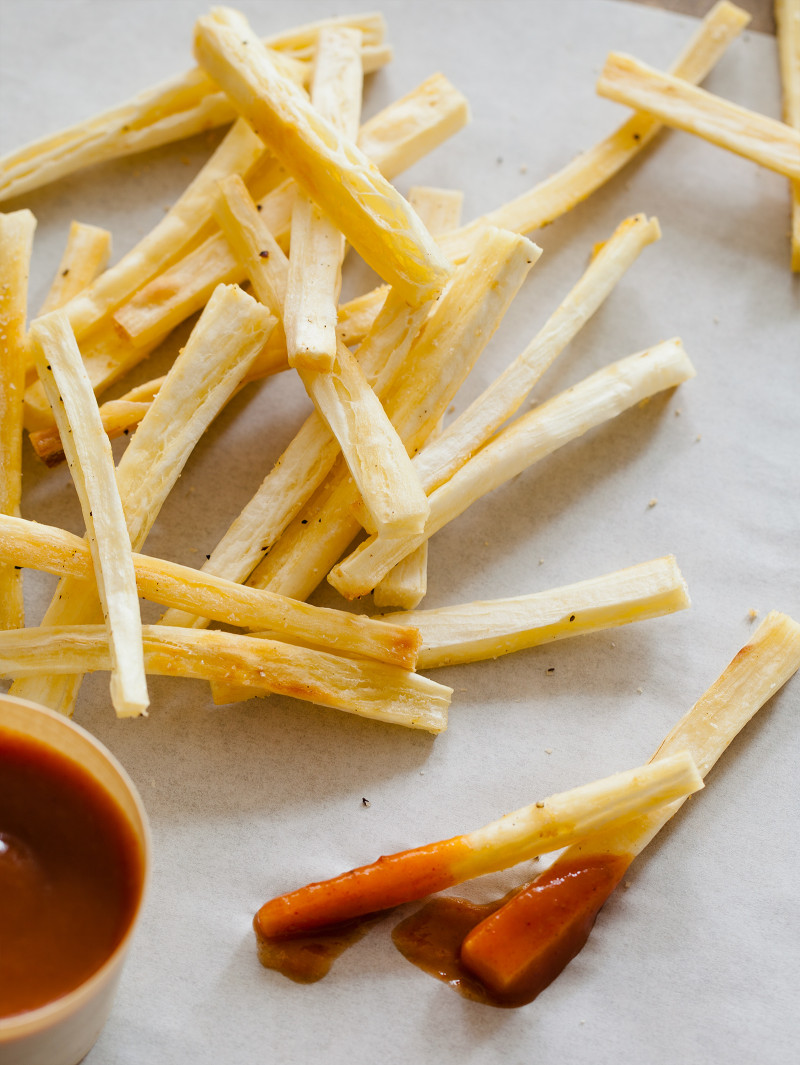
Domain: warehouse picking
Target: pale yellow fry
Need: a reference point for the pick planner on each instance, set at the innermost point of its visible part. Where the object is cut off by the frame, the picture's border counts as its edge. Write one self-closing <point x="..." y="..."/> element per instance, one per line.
<point x="181" y="107"/>
<point x="585" y="174"/>
<point x="16" y="245"/>
<point x="677" y="103"/>
<point x="85" y="257"/>
<point x="223" y="343"/>
<point x="368" y="689"/>
<point x="758" y="671"/>
<point x="565" y="417"/>
<point x="394" y="139"/>
<point x="787" y="18"/>
<point x="500" y="401"/>
<point x="316" y="246"/>
<point x="43" y="547"/>
<point x="472" y="632"/>
<point x="61" y="371"/>
<point x="238" y="153"/>
<point x="328" y="166"/>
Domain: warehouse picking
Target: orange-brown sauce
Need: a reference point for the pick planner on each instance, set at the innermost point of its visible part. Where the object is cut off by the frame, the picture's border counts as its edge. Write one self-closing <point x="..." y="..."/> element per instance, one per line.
<point x="554" y="916"/>
<point x="307" y="958"/>
<point x="71" y="874"/>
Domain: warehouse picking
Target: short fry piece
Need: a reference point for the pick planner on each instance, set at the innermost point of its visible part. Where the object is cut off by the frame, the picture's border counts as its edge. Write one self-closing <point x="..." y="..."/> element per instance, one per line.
<point x="535" y="829"/>
<point x="36" y="546"/>
<point x="565" y="417"/>
<point x="476" y="631"/>
<point x="61" y="371"/>
<point x="787" y="17"/>
<point x="316" y="245"/>
<point x="85" y="257"/>
<point x="368" y="689"/>
<point x="514" y="949"/>
<point x="16" y="245"/>
<point x="374" y="217"/>
<point x="677" y="103"/>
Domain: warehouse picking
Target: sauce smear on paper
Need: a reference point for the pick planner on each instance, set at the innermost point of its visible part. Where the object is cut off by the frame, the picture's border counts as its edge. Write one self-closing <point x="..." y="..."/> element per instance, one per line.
<point x="307" y="958"/>
<point x="71" y="874"/>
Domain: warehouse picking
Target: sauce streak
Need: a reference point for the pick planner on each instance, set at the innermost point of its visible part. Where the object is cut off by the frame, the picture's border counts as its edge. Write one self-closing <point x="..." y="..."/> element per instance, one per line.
<point x="544" y="925"/>
<point x="71" y="872"/>
<point x="307" y="958"/>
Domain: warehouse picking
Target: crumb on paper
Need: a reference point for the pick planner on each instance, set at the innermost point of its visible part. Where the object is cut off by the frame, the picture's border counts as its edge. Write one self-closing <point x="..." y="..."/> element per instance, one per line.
<point x="752" y="613"/>
<point x="548" y="750"/>
<point x="697" y="439"/>
<point x="716" y="320"/>
<point x="627" y="884"/>
<point x="523" y="168"/>
<point x="550" y="670"/>
<point x="652" y="502"/>
<point x="541" y="561"/>
<point x="365" y="802"/>
<point x="639" y="691"/>
<point x="677" y="412"/>
<point x="613" y="644"/>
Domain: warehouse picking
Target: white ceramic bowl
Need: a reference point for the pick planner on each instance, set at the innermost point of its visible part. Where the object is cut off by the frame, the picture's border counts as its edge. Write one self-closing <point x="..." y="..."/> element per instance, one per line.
<point x="64" y="1031"/>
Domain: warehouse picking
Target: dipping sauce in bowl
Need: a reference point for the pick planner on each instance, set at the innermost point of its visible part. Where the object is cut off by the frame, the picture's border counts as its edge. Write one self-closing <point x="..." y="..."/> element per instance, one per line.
<point x="73" y="857"/>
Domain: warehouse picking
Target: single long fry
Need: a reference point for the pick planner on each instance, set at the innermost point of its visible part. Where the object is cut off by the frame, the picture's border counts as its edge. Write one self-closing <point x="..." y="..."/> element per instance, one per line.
<point x="368" y="689"/>
<point x="58" y="361"/>
<point x="681" y="105"/>
<point x="223" y="343"/>
<point x="316" y="245"/>
<point x="530" y="438"/>
<point x="515" y="949"/>
<point x="396" y="138"/>
<point x="329" y="167"/>
<point x="588" y="172"/>
<point x="181" y="107"/>
<point x="535" y="829"/>
<point x="472" y="632"/>
<point x="43" y="547"/>
<point x="787" y="18"/>
<point x="16" y="245"/>
<point x="469" y="432"/>
<point x="85" y="257"/>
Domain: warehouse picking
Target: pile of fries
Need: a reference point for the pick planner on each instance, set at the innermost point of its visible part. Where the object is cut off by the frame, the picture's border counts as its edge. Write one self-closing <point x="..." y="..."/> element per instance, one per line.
<point x="256" y="244"/>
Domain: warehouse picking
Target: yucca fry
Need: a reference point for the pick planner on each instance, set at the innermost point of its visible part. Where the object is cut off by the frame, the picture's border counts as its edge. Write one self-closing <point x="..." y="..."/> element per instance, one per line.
<point x="16" y="245"/>
<point x="343" y="397"/>
<point x="43" y="547"/>
<point x="328" y="166"/>
<point x="538" y="433"/>
<point x="503" y="950"/>
<point x="85" y="257"/>
<point x="238" y="153"/>
<point x="405" y="585"/>
<point x="787" y="18"/>
<point x="683" y="106"/>
<point x="394" y="139"/>
<point x="366" y="688"/>
<point x="58" y="362"/>
<point x="575" y="182"/>
<point x="223" y="343"/>
<point x="472" y="632"/>
<point x="181" y="107"/>
<point x="536" y="829"/>
<point x="469" y="432"/>
<point x="316" y="245"/>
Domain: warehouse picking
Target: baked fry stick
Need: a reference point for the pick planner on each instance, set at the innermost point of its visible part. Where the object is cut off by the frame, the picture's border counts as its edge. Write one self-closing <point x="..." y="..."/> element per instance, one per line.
<point x="368" y="689"/>
<point x="472" y="632"/>
<point x="565" y="417"/>
<point x="58" y="362"/>
<point x="85" y="257"/>
<point x="535" y="829"/>
<point x="226" y="338"/>
<point x="16" y="245"/>
<point x="393" y="140"/>
<point x="512" y="947"/>
<point x="316" y="245"/>
<point x="681" y="105"/>
<point x="581" y="177"/>
<point x="181" y="107"/>
<point x="787" y="17"/>
<point x="329" y="167"/>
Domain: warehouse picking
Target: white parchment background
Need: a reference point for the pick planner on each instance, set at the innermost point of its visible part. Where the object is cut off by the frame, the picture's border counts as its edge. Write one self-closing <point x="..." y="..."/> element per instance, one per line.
<point x="697" y="961"/>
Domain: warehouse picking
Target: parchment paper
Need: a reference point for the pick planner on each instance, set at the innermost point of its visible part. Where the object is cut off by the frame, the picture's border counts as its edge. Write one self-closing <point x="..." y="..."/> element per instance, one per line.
<point x="697" y="960"/>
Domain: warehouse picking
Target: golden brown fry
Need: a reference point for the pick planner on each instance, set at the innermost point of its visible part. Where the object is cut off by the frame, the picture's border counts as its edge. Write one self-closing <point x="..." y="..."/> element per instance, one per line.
<point x="787" y="18"/>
